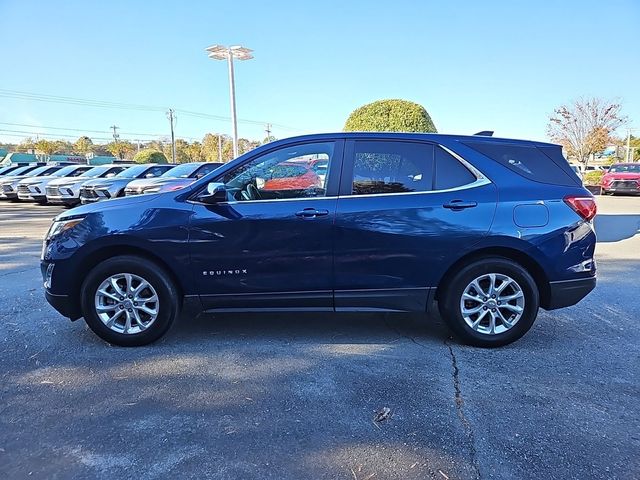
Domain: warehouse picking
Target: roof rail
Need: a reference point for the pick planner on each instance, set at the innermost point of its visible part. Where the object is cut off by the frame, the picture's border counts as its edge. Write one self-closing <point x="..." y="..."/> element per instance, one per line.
<point x="485" y="133"/>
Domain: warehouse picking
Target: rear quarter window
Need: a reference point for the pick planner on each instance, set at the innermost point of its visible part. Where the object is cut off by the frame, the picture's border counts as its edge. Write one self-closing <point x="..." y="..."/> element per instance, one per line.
<point x="527" y="161"/>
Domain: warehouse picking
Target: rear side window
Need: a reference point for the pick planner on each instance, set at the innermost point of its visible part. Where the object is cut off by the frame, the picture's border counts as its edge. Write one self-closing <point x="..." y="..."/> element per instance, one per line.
<point x="392" y="167"/>
<point x="527" y="161"/>
<point x="450" y="173"/>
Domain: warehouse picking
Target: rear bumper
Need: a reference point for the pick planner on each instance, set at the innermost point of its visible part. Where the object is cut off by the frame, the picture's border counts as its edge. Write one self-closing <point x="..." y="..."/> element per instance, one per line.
<point x="569" y="292"/>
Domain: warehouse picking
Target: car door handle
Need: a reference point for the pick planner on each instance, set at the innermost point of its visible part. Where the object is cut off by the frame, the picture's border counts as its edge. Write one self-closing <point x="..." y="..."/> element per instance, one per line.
<point x="457" y="205"/>
<point x="311" y="213"/>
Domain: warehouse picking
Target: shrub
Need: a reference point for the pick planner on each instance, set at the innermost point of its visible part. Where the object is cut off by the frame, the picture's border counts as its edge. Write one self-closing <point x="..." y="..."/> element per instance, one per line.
<point x="390" y="116"/>
<point x="593" y="177"/>
<point x="149" y="155"/>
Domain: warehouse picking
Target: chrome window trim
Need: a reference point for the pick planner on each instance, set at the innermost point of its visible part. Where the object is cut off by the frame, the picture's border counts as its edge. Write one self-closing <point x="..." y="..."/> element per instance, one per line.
<point x="478" y="183"/>
<point x="244" y="202"/>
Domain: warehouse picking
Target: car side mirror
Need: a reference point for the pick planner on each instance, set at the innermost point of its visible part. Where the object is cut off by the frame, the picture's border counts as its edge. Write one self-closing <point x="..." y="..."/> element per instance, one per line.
<point x="215" y="193"/>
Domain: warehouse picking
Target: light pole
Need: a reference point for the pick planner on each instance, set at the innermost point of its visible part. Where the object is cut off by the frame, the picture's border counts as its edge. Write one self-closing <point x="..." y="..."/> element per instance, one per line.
<point x="220" y="52"/>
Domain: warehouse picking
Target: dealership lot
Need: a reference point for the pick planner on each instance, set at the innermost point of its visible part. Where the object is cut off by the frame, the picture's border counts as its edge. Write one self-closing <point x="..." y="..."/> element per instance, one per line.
<point x="294" y="396"/>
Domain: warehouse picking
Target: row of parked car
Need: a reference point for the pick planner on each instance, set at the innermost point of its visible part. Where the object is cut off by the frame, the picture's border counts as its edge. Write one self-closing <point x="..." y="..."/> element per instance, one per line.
<point x="72" y="184"/>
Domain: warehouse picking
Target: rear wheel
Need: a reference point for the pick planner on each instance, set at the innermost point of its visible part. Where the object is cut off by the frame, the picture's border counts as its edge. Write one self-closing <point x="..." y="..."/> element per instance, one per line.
<point x="490" y="302"/>
<point x="129" y="301"/>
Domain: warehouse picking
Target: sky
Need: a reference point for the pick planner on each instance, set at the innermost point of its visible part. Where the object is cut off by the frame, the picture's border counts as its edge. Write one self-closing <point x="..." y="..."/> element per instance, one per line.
<point x="490" y="65"/>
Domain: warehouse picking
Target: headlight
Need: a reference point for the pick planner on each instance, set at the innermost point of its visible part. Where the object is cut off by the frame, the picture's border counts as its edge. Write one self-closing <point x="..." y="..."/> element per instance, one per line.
<point x="62" y="226"/>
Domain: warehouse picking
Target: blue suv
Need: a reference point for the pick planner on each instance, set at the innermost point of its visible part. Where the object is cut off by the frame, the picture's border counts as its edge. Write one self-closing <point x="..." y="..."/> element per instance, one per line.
<point x="490" y="229"/>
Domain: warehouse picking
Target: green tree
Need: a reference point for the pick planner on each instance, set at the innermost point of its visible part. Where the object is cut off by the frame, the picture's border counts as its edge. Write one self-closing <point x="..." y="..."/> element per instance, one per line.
<point x="83" y="145"/>
<point x="122" y="149"/>
<point x="148" y="155"/>
<point x="390" y="116"/>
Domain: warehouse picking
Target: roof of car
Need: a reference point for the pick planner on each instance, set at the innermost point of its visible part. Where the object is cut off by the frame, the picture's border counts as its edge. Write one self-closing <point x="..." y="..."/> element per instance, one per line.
<point x="435" y="137"/>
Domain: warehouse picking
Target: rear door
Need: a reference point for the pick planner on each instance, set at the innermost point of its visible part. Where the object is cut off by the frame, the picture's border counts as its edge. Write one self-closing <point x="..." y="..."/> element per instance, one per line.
<point x="405" y="210"/>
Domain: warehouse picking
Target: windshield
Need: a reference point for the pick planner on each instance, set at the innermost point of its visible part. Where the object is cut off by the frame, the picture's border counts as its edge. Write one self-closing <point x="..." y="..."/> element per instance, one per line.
<point x="132" y="172"/>
<point x="47" y="169"/>
<point x="70" y="171"/>
<point x="21" y="170"/>
<point x="182" y="171"/>
<point x="625" y="168"/>
<point x="94" y="172"/>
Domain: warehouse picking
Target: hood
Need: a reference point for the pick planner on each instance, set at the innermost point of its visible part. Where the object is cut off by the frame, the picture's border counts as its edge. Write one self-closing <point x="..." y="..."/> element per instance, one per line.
<point x="622" y="176"/>
<point x="110" y="204"/>
<point x="34" y="180"/>
<point x="98" y="182"/>
<point x="68" y="181"/>
<point x="145" y="182"/>
<point x="12" y="178"/>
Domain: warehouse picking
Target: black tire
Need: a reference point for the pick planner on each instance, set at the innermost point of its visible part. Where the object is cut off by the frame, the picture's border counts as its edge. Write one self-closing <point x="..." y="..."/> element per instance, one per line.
<point x="449" y="301"/>
<point x="168" y="299"/>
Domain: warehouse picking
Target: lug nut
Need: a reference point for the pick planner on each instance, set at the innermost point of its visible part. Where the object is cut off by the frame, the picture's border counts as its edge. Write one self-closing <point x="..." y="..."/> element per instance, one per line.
<point x="130" y="296"/>
<point x="484" y="299"/>
<point x="493" y="309"/>
<point x="499" y="303"/>
<point x="135" y="304"/>
<point x="493" y="296"/>
<point x="484" y="308"/>
<point x="129" y="310"/>
<point x="121" y="307"/>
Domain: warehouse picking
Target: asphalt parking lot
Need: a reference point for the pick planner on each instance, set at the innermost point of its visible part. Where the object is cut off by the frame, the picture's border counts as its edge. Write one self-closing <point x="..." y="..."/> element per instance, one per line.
<point x="294" y="396"/>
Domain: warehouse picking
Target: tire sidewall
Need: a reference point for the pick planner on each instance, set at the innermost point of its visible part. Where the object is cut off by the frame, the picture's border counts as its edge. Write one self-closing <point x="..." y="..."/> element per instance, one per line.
<point x="166" y="291"/>
<point x="451" y="305"/>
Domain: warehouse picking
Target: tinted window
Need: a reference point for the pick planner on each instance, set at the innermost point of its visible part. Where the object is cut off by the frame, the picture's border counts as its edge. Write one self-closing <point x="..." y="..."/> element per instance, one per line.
<point x="157" y="171"/>
<point x="183" y="171"/>
<point x="450" y="172"/>
<point x="132" y="172"/>
<point x="207" y="168"/>
<point x="281" y="174"/>
<point x="527" y="161"/>
<point x="622" y="168"/>
<point x="391" y="167"/>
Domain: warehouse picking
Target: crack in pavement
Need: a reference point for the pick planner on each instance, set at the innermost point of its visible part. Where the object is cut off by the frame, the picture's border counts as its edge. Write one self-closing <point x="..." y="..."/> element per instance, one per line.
<point x="466" y="425"/>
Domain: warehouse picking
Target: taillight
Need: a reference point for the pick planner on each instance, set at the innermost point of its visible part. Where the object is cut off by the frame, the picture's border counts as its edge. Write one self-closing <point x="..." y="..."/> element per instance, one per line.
<point x="583" y="206"/>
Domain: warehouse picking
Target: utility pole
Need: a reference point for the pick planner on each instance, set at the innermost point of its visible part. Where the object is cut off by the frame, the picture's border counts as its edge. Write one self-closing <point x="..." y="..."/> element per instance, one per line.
<point x="219" y="148"/>
<point x="267" y="130"/>
<point x="171" y="116"/>
<point x="116" y="135"/>
<point x="626" y="157"/>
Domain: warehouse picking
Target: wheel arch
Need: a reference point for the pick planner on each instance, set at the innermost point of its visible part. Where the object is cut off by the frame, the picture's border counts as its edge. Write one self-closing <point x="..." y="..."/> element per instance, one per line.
<point x="103" y="253"/>
<point x="510" y="253"/>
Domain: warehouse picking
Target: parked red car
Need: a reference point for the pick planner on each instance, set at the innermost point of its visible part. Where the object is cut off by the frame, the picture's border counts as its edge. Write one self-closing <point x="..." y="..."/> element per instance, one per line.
<point x="621" y="178"/>
<point x="292" y="176"/>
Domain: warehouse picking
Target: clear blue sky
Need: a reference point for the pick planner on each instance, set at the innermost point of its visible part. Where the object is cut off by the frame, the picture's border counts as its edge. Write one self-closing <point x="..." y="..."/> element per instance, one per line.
<point x="499" y="65"/>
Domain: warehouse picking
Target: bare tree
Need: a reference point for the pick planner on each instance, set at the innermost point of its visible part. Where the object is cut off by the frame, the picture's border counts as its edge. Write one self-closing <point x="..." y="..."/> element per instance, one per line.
<point x="586" y="126"/>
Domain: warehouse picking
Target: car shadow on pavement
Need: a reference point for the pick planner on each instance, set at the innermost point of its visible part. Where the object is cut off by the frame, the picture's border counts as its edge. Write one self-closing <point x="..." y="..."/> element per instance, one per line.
<point x="356" y="328"/>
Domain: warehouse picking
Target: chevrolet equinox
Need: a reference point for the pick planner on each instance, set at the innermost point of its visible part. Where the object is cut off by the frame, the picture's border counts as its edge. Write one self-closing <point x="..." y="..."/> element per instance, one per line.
<point x="489" y="229"/>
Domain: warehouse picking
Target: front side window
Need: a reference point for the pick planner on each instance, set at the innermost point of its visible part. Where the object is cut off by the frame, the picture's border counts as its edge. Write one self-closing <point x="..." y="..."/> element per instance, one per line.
<point x="392" y="167"/>
<point x="281" y="174"/>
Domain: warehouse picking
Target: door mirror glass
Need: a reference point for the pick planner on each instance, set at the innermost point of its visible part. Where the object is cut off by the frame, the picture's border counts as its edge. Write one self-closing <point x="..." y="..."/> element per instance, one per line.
<point x="215" y="193"/>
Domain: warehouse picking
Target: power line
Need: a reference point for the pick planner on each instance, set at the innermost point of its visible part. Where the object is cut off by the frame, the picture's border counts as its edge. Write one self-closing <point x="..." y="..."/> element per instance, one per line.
<point x="82" y="130"/>
<point x="122" y="106"/>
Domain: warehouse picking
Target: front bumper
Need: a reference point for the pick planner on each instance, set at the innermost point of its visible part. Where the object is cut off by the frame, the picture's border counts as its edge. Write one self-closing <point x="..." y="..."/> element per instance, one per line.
<point x="64" y="304"/>
<point x="568" y="292"/>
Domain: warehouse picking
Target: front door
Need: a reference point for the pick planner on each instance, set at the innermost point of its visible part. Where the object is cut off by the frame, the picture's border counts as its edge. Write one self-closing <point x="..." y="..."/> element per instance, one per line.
<point x="270" y="245"/>
<point x="405" y="210"/>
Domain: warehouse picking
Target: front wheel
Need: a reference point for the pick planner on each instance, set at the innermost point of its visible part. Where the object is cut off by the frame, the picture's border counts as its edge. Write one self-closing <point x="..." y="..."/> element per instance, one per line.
<point x="129" y="301"/>
<point x="490" y="302"/>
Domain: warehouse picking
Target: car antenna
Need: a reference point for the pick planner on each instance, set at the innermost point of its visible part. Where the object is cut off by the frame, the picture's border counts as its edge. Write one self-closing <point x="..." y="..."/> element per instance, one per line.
<point x="485" y="133"/>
